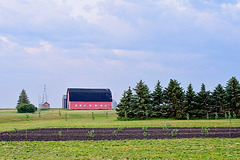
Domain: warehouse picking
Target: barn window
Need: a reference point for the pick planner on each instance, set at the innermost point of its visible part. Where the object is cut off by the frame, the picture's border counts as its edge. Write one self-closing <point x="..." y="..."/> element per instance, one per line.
<point x="84" y="105"/>
<point x="95" y="105"/>
<point x="80" y="105"/>
<point x="76" y="105"/>
<point x="90" y="105"/>
<point x="105" y="105"/>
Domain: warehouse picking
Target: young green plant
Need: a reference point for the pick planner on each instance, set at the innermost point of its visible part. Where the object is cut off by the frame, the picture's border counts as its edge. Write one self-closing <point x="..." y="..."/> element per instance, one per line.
<point x="91" y="133"/>
<point x="39" y="114"/>
<point x="115" y="133"/>
<point x="144" y="129"/>
<point x="60" y="133"/>
<point x="107" y="115"/>
<point x="66" y="116"/>
<point x="120" y="129"/>
<point x="27" y="117"/>
<point x="144" y="134"/>
<point x="174" y="132"/>
<point x="166" y="127"/>
<point x="204" y="131"/>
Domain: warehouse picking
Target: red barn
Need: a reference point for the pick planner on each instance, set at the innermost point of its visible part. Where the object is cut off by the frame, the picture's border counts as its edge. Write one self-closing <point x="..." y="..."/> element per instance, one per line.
<point x="82" y="98"/>
<point x="45" y="105"/>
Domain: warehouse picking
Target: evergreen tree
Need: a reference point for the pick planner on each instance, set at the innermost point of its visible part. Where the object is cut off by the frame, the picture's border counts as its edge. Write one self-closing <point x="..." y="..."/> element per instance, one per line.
<point x="190" y="101"/>
<point x="23" y="98"/>
<point x="233" y="95"/>
<point x="157" y="95"/>
<point x="203" y="101"/>
<point x="143" y="108"/>
<point x="157" y="100"/>
<point x="174" y="97"/>
<point x="23" y="104"/>
<point x="219" y="100"/>
<point x="125" y="107"/>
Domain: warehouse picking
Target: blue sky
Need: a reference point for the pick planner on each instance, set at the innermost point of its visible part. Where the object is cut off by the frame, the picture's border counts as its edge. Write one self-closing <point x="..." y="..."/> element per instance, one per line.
<point x="115" y="43"/>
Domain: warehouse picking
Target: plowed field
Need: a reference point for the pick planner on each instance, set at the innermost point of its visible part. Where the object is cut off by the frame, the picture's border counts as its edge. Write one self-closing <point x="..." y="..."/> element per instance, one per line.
<point x="69" y="134"/>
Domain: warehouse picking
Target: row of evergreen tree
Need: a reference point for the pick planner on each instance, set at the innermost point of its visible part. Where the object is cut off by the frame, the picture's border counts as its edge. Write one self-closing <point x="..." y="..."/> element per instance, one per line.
<point x="174" y="102"/>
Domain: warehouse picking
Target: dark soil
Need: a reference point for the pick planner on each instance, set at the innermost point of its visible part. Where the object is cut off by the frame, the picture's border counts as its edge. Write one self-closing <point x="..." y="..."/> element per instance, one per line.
<point x="69" y="134"/>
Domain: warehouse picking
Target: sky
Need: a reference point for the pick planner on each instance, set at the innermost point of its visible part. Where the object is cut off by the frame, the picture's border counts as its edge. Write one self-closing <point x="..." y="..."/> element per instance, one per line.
<point x="115" y="44"/>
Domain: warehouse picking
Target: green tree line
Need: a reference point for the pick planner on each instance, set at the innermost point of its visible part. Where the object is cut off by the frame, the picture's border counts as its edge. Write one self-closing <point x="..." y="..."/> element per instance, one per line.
<point x="174" y="102"/>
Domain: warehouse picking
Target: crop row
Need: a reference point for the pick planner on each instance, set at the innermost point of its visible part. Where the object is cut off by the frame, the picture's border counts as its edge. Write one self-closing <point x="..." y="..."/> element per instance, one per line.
<point x="57" y="134"/>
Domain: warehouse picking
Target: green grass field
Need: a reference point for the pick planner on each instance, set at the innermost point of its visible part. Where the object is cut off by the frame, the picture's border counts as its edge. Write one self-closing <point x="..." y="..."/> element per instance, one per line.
<point x="127" y="149"/>
<point x="131" y="149"/>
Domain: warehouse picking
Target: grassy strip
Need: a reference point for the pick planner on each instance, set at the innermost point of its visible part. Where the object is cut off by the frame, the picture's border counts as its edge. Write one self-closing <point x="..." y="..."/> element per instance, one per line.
<point x="83" y="119"/>
<point x="128" y="149"/>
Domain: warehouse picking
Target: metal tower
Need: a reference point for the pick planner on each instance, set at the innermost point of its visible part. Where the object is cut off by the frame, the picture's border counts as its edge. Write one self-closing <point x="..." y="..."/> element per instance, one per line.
<point x="44" y="98"/>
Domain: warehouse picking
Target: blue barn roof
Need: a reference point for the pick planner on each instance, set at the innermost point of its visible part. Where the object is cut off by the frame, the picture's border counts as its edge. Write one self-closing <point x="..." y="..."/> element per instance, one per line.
<point x="89" y="95"/>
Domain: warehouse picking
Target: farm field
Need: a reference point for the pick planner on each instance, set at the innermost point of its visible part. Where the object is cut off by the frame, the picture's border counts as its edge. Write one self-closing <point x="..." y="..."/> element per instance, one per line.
<point x="196" y="148"/>
<point x="70" y="134"/>
<point x="129" y="149"/>
<point x="56" y="118"/>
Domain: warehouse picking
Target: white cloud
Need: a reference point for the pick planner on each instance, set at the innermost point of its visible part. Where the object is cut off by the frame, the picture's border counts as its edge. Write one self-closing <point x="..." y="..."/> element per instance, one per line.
<point x="59" y="2"/>
<point x="232" y="11"/>
<point x="5" y="40"/>
<point x="85" y="42"/>
<point x="115" y="63"/>
<point x="180" y="5"/>
<point x="132" y="54"/>
<point x="32" y="50"/>
<point x="118" y="22"/>
<point x="6" y="45"/>
<point x="231" y="6"/>
<point x="46" y="46"/>
<point x="154" y="67"/>
<point x="85" y="8"/>
<point x="43" y="48"/>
